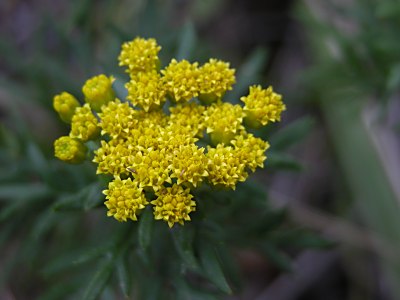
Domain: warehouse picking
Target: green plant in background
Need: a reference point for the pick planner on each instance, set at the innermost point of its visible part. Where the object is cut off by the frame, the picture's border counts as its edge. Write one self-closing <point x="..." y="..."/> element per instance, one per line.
<point x="56" y="240"/>
<point x="355" y="83"/>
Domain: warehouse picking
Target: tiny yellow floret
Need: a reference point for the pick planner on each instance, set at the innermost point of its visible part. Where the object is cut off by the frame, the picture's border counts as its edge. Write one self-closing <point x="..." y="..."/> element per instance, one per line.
<point x="262" y="106"/>
<point x="214" y="80"/>
<point x="65" y="104"/>
<point x="69" y="150"/>
<point x="140" y="55"/>
<point x="146" y="90"/>
<point x="223" y="121"/>
<point x="125" y="199"/>
<point x="84" y="124"/>
<point x="173" y="205"/>
<point x="225" y="167"/>
<point x="181" y="80"/>
<point x="98" y="91"/>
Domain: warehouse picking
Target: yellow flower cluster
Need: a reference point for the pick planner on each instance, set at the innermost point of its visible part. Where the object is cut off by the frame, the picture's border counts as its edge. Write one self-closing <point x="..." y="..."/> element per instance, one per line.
<point x="262" y="106"/>
<point x="154" y="154"/>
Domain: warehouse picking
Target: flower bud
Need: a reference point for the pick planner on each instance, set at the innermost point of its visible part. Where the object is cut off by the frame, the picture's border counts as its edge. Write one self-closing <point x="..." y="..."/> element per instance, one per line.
<point x="69" y="150"/>
<point x="65" y="104"/>
<point x="98" y="91"/>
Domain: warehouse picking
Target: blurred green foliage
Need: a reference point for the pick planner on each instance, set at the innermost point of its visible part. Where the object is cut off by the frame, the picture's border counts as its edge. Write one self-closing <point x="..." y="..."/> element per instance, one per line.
<point x="54" y="233"/>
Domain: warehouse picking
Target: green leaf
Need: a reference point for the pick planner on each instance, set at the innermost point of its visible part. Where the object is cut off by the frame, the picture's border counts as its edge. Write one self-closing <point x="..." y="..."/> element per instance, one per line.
<point x="187" y="42"/>
<point x="93" y="198"/>
<point x="61" y="291"/>
<point x="99" y="280"/>
<point x="280" y="161"/>
<point x="212" y="267"/>
<point x="183" y="238"/>
<point x="292" y="133"/>
<point x="230" y="267"/>
<point x="85" y="199"/>
<point x="145" y="230"/>
<point x="299" y="238"/>
<point x="24" y="191"/>
<point x="124" y="276"/>
<point x="277" y="257"/>
<point x="248" y="74"/>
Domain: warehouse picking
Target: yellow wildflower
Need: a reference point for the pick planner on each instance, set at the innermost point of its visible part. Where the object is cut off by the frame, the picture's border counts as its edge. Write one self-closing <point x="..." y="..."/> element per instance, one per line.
<point x="189" y="164"/>
<point x="189" y="116"/>
<point x="146" y="91"/>
<point x="69" y="150"/>
<point x="225" y="167"/>
<point x="173" y="205"/>
<point x="113" y="157"/>
<point x="84" y="125"/>
<point x="116" y="119"/>
<point x="262" y="106"/>
<point x="98" y="91"/>
<point x="65" y="104"/>
<point x="140" y="55"/>
<point x="223" y="121"/>
<point x="151" y="168"/>
<point x="124" y="199"/>
<point x="251" y="150"/>
<point x="181" y="80"/>
<point x="214" y="80"/>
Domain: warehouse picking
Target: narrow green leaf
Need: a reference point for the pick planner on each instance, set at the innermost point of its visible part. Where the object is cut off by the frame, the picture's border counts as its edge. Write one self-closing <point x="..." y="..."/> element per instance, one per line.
<point x="92" y="254"/>
<point x="280" y="161"/>
<point x="183" y="241"/>
<point x="248" y="74"/>
<point x="61" y="291"/>
<point x="79" y="200"/>
<point x="124" y="276"/>
<point x="145" y="230"/>
<point x="212" y="267"/>
<point x="292" y="133"/>
<point x="24" y="191"/>
<point x="187" y="42"/>
<point x="277" y="257"/>
<point x="94" y="197"/>
<point x="299" y="238"/>
<point x="230" y="267"/>
<point x="43" y="224"/>
<point x="99" y="280"/>
<point x="59" y="264"/>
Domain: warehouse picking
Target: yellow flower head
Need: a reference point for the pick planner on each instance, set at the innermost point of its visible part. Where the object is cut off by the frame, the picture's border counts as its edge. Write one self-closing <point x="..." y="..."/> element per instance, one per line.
<point x="84" y="125"/>
<point x="189" y="116"/>
<point x="223" y="121"/>
<point x="124" y="199"/>
<point x="140" y="55"/>
<point x="151" y="168"/>
<point x="262" y="106"/>
<point x="189" y="164"/>
<point x="98" y="91"/>
<point x="69" y="150"/>
<point x="157" y="153"/>
<point x="173" y="205"/>
<point x="146" y="91"/>
<point x="215" y="79"/>
<point x="181" y="80"/>
<point x="116" y="119"/>
<point x="65" y="104"/>
<point x="251" y="150"/>
<point x="225" y="167"/>
<point x="113" y="157"/>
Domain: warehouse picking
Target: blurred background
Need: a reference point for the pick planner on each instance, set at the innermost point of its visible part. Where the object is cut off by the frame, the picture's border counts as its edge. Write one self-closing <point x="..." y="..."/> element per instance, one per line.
<point x="334" y="169"/>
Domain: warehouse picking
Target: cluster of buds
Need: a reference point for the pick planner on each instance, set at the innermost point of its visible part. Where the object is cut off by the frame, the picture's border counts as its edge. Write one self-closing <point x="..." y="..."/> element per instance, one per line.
<point x="150" y="142"/>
